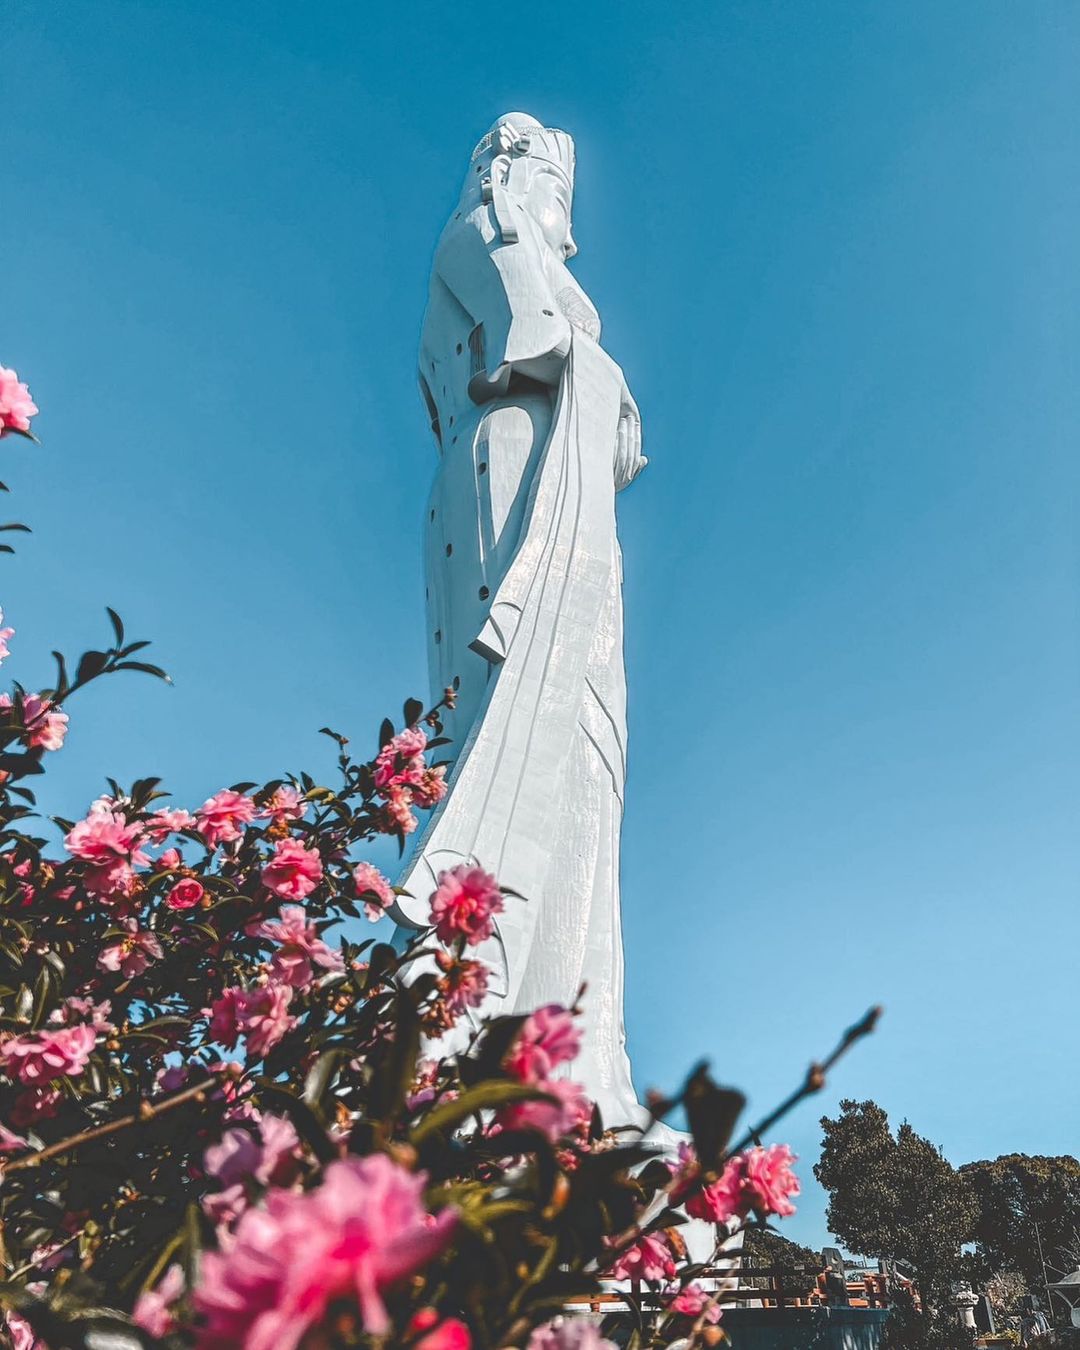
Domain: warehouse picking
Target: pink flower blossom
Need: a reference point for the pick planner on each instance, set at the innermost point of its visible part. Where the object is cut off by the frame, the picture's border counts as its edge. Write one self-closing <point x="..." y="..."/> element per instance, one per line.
<point x="40" y="1056"/>
<point x="260" y="1015"/>
<point x="294" y="871"/>
<point x="431" y="788"/>
<point x="300" y="946"/>
<point x="400" y="762"/>
<point x="104" y="836"/>
<point x="153" y="1307"/>
<point x="569" y="1333"/>
<point x="721" y="1200"/>
<point x="86" y="1010"/>
<point x="760" y="1179"/>
<point x="570" y="1112"/>
<point x="398" y="809"/>
<point x="464" y="984"/>
<point x="373" y="888"/>
<point x="769" y="1179"/>
<point x="285" y="803"/>
<point x="186" y="894"/>
<point x="272" y="1162"/>
<point x="169" y="861"/>
<point x="464" y="903"/>
<point x="5" y="633"/>
<point x="163" y="823"/>
<point x="650" y="1258"/>
<point x="132" y="954"/>
<point x="363" y="1230"/>
<point x="45" y="726"/>
<point x="223" y="1208"/>
<point x="692" y="1301"/>
<point x="18" y="1328"/>
<point x="10" y="1142"/>
<point x="113" y="881"/>
<point x="16" y="405"/>
<point x="549" y="1037"/>
<point x="220" y="817"/>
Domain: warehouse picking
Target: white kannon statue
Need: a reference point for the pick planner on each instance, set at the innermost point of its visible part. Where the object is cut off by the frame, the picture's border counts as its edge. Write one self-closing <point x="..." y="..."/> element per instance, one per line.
<point x="536" y="432"/>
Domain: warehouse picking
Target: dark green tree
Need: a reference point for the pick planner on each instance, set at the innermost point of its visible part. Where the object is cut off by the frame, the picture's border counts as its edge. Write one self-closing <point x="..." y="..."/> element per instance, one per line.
<point x="1021" y="1201"/>
<point x="896" y="1196"/>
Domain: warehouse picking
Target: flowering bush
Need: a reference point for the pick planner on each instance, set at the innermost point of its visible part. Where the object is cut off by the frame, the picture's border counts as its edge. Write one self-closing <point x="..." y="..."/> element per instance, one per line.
<point x="218" y="1126"/>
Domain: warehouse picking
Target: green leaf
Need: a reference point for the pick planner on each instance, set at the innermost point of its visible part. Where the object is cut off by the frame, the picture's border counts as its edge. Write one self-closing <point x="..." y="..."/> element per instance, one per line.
<point x="146" y="669"/>
<point x="711" y="1112"/>
<point x="117" y="624"/>
<point x="483" y="1097"/>
<point x="321" y="1075"/>
<point x="91" y="666"/>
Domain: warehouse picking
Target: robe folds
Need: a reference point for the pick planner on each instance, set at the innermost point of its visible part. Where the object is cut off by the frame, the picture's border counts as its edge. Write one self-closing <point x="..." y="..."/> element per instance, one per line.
<point x="536" y="790"/>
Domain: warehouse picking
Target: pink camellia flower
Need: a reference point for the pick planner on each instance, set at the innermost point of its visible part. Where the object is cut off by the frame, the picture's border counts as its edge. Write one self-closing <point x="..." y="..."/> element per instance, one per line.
<point x="10" y="1142"/>
<point x="104" y="836"/>
<point x="692" y="1301"/>
<point x="294" y="871"/>
<point x="220" y="817"/>
<point x="16" y="405"/>
<point x="260" y="1015"/>
<point x="113" y="882"/>
<point x="300" y="947"/>
<point x="40" y="1056"/>
<point x="549" y="1037"/>
<point x="464" y="903"/>
<point x="569" y="1333"/>
<point x="132" y="954"/>
<point x="400" y="762"/>
<point x="374" y="889"/>
<point x="223" y="1208"/>
<point x="650" y="1258"/>
<point x="5" y="633"/>
<point x="86" y="1010"/>
<point x="464" y="983"/>
<point x="285" y="803"/>
<point x="398" y="809"/>
<point x="272" y="1162"/>
<point x="431" y="788"/>
<point x="163" y="823"/>
<point x="153" y="1307"/>
<point x="569" y="1113"/>
<point x="45" y="726"/>
<point x="448" y="1334"/>
<point x="722" y="1199"/>
<point x="769" y="1180"/>
<point x="362" y="1231"/>
<point x="18" y="1328"/>
<point x="169" y="861"/>
<point x="186" y="894"/>
<point x="760" y="1179"/>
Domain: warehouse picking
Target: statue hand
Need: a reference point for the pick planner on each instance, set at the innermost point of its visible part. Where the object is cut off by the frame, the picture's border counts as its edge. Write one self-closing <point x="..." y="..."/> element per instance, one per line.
<point x="629" y="461"/>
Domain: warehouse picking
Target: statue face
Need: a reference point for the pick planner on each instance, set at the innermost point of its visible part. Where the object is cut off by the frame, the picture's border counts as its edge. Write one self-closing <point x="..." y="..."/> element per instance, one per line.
<point x="548" y="202"/>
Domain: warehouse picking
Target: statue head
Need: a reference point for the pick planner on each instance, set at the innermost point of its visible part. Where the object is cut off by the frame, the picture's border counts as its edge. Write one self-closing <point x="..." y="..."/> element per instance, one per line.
<point x="532" y="164"/>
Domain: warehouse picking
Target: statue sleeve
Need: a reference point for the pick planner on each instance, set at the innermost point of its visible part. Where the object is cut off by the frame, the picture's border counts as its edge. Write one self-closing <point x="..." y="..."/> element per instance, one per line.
<point x="506" y="290"/>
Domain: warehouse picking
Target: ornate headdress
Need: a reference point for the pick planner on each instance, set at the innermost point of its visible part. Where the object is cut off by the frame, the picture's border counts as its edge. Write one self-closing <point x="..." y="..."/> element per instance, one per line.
<point x="518" y="135"/>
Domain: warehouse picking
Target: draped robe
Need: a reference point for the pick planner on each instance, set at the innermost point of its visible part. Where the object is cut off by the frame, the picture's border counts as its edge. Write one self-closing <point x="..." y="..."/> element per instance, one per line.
<point x="525" y="606"/>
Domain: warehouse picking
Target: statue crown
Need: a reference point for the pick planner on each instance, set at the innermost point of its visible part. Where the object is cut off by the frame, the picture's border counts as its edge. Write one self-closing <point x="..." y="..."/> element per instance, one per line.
<point x="518" y="134"/>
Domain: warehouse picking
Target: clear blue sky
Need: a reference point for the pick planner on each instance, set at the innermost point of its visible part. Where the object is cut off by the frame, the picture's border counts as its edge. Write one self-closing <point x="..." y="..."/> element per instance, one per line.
<point x="834" y="246"/>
